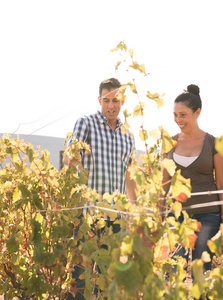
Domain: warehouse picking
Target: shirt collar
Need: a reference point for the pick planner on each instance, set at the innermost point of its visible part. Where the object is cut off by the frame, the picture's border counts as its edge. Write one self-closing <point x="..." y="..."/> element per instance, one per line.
<point x="103" y="119"/>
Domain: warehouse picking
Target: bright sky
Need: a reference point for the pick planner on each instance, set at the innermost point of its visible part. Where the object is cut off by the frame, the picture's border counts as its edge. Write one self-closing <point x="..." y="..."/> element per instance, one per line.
<point x="54" y="54"/>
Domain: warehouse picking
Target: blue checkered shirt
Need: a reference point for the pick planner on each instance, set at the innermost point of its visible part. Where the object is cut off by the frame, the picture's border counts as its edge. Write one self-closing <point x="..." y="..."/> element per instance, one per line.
<point x="110" y="153"/>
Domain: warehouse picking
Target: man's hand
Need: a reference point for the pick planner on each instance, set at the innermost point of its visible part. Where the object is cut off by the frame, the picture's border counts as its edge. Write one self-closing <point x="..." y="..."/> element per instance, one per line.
<point x="71" y="160"/>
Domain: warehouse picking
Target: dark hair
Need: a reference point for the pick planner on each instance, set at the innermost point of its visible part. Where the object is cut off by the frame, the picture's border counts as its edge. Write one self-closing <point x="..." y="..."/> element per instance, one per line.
<point x="191" y="97"/>
<point x="109" y="84"/>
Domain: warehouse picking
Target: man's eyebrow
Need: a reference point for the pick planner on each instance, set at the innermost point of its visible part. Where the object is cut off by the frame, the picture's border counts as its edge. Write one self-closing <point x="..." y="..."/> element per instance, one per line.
<point x="105" y="98"/>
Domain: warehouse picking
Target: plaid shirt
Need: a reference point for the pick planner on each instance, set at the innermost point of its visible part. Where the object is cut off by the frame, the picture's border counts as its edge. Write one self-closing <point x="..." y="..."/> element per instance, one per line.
<point x="110" y="153"/>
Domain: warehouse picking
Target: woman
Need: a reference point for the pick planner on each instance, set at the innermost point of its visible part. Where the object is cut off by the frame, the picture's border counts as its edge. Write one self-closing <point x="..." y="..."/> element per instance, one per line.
<point x="196" y="157"/>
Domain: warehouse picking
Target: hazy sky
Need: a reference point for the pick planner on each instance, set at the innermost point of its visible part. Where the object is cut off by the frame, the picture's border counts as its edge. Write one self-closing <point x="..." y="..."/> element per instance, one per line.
<point x="54" y="54"/>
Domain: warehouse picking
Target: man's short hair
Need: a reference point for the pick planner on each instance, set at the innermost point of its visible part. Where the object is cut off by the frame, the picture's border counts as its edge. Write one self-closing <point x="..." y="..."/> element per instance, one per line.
<point x="108" y="84"/>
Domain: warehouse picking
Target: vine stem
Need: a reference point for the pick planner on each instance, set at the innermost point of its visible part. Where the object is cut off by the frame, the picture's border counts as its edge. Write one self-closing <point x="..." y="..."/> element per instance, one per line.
<point x="141" y="108"/>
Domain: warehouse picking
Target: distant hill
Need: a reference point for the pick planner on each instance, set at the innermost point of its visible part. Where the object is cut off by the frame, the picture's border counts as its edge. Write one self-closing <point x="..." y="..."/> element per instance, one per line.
<point x="54" y="144"/>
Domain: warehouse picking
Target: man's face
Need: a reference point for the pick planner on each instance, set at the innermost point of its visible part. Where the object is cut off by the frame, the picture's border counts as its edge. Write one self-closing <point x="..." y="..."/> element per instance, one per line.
<point x="110" y="105"/>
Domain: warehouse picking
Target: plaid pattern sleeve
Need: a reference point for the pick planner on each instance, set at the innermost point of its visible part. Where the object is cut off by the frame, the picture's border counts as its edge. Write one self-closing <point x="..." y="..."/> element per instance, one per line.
<point x="110" y="153"/>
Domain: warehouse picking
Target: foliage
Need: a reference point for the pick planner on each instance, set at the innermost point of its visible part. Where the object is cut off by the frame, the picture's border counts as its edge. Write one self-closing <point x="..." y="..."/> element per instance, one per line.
<point x="40" y="207"/>
<point x="36" y="236"/>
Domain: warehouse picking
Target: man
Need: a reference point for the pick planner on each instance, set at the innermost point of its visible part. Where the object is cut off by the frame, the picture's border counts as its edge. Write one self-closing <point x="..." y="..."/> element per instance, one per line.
<point x="111" y="149"/>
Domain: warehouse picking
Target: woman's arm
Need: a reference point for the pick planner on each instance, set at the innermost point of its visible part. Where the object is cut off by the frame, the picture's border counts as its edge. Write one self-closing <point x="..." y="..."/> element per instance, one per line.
<point x="131" y="187"/>
<point x="218" y="164"/>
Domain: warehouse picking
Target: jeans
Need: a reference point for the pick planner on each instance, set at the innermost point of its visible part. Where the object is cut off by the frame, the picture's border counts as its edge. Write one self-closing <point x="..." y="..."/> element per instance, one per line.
<point x="210" y="225"/>
<point x="78" y="269"/>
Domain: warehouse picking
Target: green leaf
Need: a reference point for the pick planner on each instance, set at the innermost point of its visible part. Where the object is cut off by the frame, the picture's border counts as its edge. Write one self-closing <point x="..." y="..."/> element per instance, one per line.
<point x="100" y="281"/>
<point x="88" y="284"/>
<point x="37" y="201"/>
<point x="126" y="275"/>
<point x="198" y="271"/>
<point x="30" y="153"/>
<point x="218" y="288"/>
<point x="102" y="258"/>
<point x="88" y="248"/>
<point x="112" y="290"/>
<point x="24" y="190"/>
<point x="35" y="236"/>
<point x="12" y="243"/>
<point x="215" y="244"/>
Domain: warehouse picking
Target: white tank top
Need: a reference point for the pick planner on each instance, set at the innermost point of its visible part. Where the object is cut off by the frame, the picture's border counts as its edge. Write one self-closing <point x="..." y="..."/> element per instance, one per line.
<point x="184" y="161"/>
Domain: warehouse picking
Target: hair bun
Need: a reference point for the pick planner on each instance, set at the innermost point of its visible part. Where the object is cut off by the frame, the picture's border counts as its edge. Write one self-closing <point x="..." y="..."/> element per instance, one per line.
<point x="194" y="89"/>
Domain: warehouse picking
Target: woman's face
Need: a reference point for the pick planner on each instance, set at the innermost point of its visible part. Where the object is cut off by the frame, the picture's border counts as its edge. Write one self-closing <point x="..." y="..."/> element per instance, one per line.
<point x="184" y="116"/>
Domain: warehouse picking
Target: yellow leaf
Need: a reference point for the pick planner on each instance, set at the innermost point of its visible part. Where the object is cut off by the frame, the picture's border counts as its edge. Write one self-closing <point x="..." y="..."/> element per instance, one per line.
<point x="126" y="124"/>
<point x="125" y="130"/>
<point x="126" y="246"/>
<point x="177" y="209"/>
<point x="121" y="46"/>
<point x="136" y="66"/>
<point x="131" y="52"/>
<point x="17" y="194"/>
<point x="205" y="257"/>
<point x="143" y="135"/>
<point x="215" y="243"/>
<point x="219" y="145"/>
<point x="172" y="240"/>
<point x="126" y="114"/>
<point x="169" y="165"/>
<point x="180" y="184"/>
<point x="155" y="134"/>
<point x="147" y="158"/>
<point x="167" y="142"/>
<point x="133" y="87"/>
<point x="117" y="65"/>
<point x="156" y="98"/>
<point x="123" y="88"/>
<point x="108" y="197"/>
<point x="121" y="97"/>
<point x="138" y="110"/>
<point x="162" y="249"/>
<point x="53" y="181"/>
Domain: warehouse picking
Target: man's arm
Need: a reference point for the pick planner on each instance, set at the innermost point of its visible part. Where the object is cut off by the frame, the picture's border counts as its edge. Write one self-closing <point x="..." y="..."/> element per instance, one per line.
<point x="80" y="132"/>
<point x="131" y="187"/>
